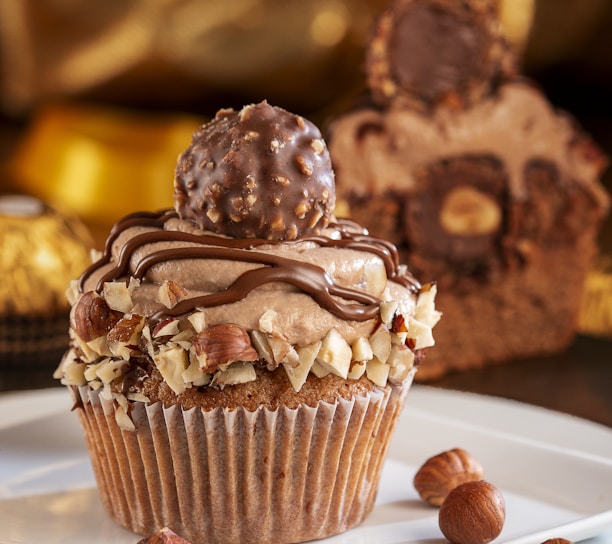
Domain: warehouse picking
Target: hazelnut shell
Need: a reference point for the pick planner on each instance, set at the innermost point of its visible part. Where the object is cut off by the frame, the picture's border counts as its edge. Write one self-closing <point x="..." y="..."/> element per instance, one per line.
<point x="445" y="471"/>
<point x="472" y="513"/>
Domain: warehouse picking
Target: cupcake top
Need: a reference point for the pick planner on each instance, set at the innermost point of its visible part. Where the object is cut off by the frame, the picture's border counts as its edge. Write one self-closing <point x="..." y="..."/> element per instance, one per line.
<point x="249" y="274"/>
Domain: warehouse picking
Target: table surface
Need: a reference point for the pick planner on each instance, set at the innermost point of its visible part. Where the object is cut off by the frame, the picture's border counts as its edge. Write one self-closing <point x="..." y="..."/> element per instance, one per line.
<point x="577" y="381"/>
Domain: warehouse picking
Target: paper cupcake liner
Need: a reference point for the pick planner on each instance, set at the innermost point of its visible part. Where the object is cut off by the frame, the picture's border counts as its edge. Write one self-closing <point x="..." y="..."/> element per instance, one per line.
<point x="225" y="476"/>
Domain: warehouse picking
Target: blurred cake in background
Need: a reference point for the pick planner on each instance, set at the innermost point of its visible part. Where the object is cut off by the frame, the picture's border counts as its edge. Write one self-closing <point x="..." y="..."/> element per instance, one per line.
<point x="41" y="251"/>
<point x="467" y="167"/>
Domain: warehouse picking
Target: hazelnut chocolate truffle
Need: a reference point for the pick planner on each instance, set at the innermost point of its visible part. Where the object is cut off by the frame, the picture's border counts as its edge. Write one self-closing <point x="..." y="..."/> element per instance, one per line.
<point x="423" y="53"/>
<point x="259" y="173"/>
<point x="239" y="366"/>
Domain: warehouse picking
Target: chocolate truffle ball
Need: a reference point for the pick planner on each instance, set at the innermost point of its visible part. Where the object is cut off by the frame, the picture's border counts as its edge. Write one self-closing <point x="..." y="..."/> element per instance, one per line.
<point x="261" y="172"/>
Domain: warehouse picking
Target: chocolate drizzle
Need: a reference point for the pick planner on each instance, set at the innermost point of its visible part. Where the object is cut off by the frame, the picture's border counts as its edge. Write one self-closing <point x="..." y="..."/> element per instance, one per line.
<point x="309" y="278"/>
<point x="138" y="219"/>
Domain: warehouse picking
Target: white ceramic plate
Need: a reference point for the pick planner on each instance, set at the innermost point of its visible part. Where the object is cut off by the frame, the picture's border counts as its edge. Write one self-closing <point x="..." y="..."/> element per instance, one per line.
<point x="555" y="472"/>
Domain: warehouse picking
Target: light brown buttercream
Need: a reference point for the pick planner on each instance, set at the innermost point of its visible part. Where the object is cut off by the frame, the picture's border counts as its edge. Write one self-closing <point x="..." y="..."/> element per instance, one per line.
<point x="516" y="125"/>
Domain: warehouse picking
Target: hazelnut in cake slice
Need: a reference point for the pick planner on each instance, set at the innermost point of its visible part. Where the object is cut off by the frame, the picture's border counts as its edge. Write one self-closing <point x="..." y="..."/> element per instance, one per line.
<point x="239" y="362"/>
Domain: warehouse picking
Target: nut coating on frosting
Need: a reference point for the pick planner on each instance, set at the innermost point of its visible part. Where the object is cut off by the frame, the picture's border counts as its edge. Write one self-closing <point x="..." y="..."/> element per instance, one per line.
<point x="261" y="172"/>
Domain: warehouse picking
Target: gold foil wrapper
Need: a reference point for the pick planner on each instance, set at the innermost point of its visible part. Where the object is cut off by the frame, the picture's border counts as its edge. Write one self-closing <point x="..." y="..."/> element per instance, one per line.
<point x="596" y="309"/>
<point x="101" y="163"/>
<point x="41" y="251"/>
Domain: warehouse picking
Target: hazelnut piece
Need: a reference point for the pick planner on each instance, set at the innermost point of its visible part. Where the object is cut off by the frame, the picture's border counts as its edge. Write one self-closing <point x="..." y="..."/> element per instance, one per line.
<point x="92" y="317"/>
<point x="223" y="344"/>
<point x="557" y="541"/>
<point x="163" y="536"/>
<point x="445" y="471"/>
<point x="472" y="513"/>
<point x="467" y="211"/>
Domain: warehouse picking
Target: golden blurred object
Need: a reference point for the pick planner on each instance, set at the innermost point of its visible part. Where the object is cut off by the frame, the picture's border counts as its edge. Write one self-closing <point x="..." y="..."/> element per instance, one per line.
<point x="41" y="250"/>
<point x="516" y="17"/>
<point x="194" y="55"/>
<point x="101" y="163"/>
<point x="596" y="311"/>
<point x="174" y="52"/>
<point x="566" y="30"/>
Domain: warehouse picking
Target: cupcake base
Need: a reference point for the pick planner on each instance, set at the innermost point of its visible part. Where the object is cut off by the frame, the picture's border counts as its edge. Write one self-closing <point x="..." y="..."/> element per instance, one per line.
<point x="226" y="476"/>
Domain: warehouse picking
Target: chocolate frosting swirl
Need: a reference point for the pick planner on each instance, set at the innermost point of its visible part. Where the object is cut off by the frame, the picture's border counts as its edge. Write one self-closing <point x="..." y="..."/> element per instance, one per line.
<point x="345" y="303"/>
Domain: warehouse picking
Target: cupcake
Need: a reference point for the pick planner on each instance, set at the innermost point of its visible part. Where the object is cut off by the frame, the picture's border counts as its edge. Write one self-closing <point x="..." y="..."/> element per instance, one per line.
<point x="482" y="184"/>
<point x="42" y="249"/>
<point x="238" y="363"/>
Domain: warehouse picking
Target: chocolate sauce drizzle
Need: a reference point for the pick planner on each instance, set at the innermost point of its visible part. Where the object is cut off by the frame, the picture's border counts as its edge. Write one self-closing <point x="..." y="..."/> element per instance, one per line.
<point x="309" y="278"/>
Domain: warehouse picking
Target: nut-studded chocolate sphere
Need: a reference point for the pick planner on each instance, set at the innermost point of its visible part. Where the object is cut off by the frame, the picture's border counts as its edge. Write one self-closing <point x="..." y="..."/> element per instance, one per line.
<point x="424" y="53"/>
<point x="261" y="172"/>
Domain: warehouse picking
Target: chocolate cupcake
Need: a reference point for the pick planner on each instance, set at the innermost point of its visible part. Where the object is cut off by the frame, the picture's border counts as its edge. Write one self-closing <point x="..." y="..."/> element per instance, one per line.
<point x="482" y="185"/>
<point x="42" y="250"/>
<point x="238" y="364"/>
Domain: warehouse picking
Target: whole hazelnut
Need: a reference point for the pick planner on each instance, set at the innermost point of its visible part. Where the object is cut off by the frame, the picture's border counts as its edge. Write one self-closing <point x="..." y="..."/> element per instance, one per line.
<point x="472" y="513"/>
<point x="557" y="541"/>
<point x="92" y="317"/>
<point x="469" y="212"/>
<point x="445" y="471"/>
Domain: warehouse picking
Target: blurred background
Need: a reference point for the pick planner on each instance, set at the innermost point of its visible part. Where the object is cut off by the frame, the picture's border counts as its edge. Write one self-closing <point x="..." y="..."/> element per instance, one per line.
<point x="98" y="98"/>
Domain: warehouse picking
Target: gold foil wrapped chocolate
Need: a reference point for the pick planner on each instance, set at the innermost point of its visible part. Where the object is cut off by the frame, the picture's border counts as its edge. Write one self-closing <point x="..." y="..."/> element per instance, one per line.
<point x="596" y="310"/>
<point x="41" y="250"/>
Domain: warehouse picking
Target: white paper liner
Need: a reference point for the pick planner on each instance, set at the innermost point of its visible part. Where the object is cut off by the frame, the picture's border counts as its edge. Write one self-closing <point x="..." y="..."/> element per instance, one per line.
<point x="226" y="476"/>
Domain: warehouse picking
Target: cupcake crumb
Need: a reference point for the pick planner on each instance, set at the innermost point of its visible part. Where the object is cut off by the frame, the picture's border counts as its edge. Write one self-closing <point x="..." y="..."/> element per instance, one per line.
<point x="163" y="536"/>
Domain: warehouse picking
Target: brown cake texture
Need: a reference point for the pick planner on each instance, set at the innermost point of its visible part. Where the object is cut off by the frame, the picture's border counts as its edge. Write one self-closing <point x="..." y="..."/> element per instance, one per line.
<point x="484" y="186"/>
<point x="238" y="363"/>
